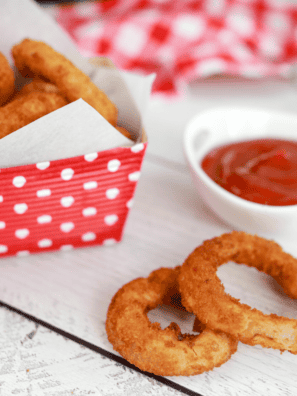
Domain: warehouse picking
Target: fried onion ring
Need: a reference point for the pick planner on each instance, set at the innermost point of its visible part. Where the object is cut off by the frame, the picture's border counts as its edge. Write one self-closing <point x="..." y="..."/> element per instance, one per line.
<point x="37" y="59"/>
<point x="27" y="109"/>
<point x="37" y="85"/>
<point x="202" y="291"/>
<point x="6" y="80"/>
<point x="146" y="345"/>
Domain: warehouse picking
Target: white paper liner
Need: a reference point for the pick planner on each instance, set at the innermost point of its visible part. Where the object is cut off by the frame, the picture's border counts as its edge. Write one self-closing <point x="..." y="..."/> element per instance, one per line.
<point x="73" y="130"/>
<point x="41" y="140"/>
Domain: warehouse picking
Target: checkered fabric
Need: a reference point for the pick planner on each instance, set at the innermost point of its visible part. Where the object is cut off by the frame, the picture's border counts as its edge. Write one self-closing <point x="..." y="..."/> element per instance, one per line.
<point x="182" y="40"/>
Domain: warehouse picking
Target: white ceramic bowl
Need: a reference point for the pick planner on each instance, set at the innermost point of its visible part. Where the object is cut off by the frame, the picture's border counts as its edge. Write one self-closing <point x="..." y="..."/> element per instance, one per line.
<point x="224" y="125"/>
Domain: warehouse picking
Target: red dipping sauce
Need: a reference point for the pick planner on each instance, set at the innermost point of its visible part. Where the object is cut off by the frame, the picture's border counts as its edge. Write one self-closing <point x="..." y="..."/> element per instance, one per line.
<point x="262" y="171"/>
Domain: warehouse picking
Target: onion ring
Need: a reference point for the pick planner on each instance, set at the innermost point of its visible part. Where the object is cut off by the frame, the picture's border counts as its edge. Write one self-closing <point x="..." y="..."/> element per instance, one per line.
<point x="161" y="352"/>
<point x="202" y="291"/>
<point x="37" y="85"/>
<point x="37" y="59"/>
<point x="26" y="109"/>
<point x="6" y="80"/>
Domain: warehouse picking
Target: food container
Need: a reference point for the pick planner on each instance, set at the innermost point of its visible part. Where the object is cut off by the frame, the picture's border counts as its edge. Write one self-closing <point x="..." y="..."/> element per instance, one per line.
<point x="74" y="200"/>
<point x="225" y="125"/>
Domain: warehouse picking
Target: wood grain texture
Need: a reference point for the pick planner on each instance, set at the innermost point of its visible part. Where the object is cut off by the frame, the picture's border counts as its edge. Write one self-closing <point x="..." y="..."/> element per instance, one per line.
<point x="36" y="361"/>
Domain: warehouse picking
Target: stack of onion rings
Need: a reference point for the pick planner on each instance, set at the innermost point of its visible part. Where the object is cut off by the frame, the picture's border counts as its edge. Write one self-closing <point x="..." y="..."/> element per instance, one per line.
<point x="202" y="291"/>
<point x="45" y="81"/>
<point x="224" y="320"/>
<point x="37" y="59"/>
<point x="146" y="345"/>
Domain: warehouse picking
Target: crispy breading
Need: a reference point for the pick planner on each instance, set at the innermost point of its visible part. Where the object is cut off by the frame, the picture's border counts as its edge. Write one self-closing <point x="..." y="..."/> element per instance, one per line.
<point x="35" y="58"/>
<point x="161" y="352"/>
<point x="26" y="109"/>
<point x="37" y="85"/>
<point x="203" y="293"/>
<point x="6" y="80"/>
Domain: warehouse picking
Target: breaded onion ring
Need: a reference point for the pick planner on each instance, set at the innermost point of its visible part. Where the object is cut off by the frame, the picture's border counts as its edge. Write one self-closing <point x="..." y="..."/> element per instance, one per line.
<point x="35" y="58"/>
<point x="38" y="85"/>
<point x="202" y="291"/>
<point x="146" y="345"/>
<point x="27" y="109"/>
<point x="6" y="80"/>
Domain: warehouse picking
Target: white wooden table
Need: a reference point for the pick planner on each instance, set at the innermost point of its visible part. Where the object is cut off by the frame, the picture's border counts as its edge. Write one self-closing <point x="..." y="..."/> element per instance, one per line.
<point x="52" y="316"/>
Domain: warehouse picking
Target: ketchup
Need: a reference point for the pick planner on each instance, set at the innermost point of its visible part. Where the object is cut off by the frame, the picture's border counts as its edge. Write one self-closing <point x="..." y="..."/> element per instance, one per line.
<point x="262" y="171"/>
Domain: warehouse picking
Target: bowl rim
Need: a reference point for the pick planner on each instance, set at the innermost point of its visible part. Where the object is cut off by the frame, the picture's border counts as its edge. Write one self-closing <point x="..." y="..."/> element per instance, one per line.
<point x="194" y="160"/>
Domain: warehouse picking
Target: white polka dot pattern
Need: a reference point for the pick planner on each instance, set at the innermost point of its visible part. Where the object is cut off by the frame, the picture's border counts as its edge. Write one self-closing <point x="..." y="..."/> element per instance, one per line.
<point x="90" y="185"/>
<point x="66" y="248"/>
<point x="69" y="203"/>
<point x="44" y="219"/>
<point x="91" y="157"/>
<point x="137" y="148"/>
<point x="46" y="192"/>
<point x="42" y="165"/>
<point x="113" y="165"/>
<point x="89" y="212"/>
<point x="130" y="203"/>
<point x="112" y="193"/>
<point x="67" y="174"/>
<point x="19" y="181"/>
<point x="111" y="219"/>
<point x="67" y="227"/>
<point x="20" y="208"/>
<point x="109" y="242"/>
<point x="22" y="233"/>
<point x="44" y="243"/>
<point x="134" y="176"/>
<point x="3" y="249"/>
<point x="88" y="236"/>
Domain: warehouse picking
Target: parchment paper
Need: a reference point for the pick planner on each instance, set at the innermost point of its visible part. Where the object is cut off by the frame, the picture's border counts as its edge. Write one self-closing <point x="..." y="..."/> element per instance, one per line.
<point x="67" y="128"/>
<point x="75" y="129"/>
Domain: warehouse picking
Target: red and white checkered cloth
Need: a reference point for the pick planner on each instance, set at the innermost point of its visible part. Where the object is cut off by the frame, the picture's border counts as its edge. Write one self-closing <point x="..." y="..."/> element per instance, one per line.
<point x="182" y="40"/>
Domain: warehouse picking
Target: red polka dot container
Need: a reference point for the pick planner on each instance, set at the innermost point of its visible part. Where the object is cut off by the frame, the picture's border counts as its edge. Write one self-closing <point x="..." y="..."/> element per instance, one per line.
<point x="68" y="203"/>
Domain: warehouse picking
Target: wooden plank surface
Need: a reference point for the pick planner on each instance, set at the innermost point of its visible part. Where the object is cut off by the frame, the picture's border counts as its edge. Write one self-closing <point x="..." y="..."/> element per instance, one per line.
<point x="37" y="361"/>
<point x="72" y="290"/>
